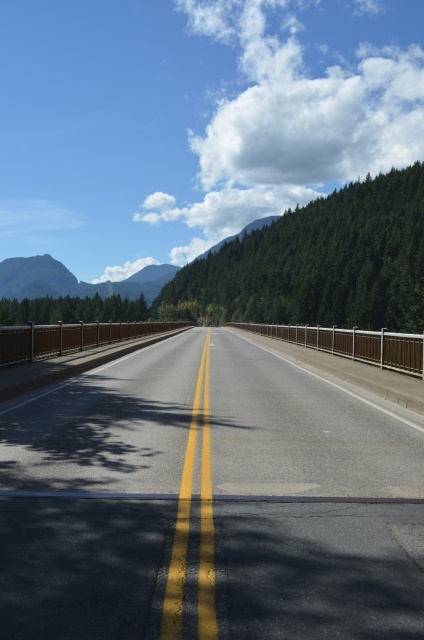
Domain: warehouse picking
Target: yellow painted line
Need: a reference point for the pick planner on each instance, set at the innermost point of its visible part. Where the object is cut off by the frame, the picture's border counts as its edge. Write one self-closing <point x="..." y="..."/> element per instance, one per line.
<point x="208" y="626"/>
<point x="171" y="628"/>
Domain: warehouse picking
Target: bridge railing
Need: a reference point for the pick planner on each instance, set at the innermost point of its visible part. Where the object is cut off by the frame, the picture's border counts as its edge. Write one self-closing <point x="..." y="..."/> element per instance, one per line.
<point x="403" y="352"/>
<point x="32" y="342"/>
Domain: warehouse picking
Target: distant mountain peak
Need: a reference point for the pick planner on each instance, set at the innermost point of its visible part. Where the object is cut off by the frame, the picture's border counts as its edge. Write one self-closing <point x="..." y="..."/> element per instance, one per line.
<point x="249" y="228"/>
<point x="40" y="276"/>
<point x="153" y="272"/>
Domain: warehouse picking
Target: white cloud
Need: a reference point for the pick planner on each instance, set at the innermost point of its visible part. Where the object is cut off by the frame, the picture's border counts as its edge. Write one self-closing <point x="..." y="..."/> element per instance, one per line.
<point x="304" y="131"/>
<point x="287" y="130"/>
<point x="117" y="273"/>
<point x="159" y="200"/>
<point x="152" y="218"/>
<point x="30" y="217"/>
<point x="226" y="212"/>
<point x="290" y="129"/>
<point x="292" y="25"/>
<point x="210" y="19"/>
<point x="163" y="203"/>
<point x="368" y="7"/>
<point x="181" y="255"/>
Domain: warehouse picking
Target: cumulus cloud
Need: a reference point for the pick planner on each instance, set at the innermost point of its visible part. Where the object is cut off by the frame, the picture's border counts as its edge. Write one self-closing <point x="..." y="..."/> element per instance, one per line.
<point x="286" y="134"/>
<point x="164" y="209"/>
<point x="118" y="273"/>
<point x="159" y="200"/>
<point x="181" y="255"/>
<point x="289" y="128"/>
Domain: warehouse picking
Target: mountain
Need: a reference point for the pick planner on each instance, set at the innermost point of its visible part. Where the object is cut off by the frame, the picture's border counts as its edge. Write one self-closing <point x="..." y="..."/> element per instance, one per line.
<point x="148" y="281"/>
<point x="252" y="226"/>
<point x="41" y="276"/>
<point x="353" y="258"/>
<point x="34" y="277"/>
<point x="154" y="273"/>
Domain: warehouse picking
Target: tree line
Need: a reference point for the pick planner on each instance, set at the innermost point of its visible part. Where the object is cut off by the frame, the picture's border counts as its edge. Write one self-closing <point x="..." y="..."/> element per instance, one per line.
<point x="353" y="258"/>
<point x="70" y="310"/>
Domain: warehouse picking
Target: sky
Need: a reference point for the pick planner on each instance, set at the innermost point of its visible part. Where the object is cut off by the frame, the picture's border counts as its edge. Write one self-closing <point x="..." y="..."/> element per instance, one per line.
<point x="145" y="131"/>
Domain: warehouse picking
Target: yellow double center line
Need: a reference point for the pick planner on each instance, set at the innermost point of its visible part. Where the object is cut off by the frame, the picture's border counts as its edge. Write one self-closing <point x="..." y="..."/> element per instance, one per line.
<point x="174" y="594"/>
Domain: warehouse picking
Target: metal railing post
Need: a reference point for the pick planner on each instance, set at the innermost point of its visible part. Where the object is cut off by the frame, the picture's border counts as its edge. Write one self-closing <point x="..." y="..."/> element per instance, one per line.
<point x="353" y="343"/>
<point x="60" y="323"/>
<point x="98" y="333"/>
<point x="318" y="326"/>
<point x="306" y="335"/>
<point x="333" y="339"/>
<point x="82" y="335"/>
<point x="382" y="347"/>
<point x="110" y="331"/>
<point x="423" y="355"/>
<point x="31" y="354"/>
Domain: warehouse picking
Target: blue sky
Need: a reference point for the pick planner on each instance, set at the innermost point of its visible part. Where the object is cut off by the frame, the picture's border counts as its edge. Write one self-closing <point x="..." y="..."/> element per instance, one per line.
<point x="146" y="131"/>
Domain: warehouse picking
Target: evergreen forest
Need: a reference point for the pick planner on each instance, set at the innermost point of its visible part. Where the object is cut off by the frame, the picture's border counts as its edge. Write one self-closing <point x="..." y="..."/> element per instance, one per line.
<point x="69" y="310"/>
<point x="353" y="258"/>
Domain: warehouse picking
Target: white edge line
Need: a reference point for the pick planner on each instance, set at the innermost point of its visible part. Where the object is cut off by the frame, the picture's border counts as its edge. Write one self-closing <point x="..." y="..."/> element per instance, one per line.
<point x="372" y="404"/>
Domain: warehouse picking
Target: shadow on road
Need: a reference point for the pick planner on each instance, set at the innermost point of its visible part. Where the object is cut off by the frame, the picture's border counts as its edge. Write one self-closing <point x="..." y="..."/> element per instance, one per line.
<point x="314" y="571"/>
<point x="96" y="427"/>
<point x="88" y="570"/>
<point x="80" y="570"/>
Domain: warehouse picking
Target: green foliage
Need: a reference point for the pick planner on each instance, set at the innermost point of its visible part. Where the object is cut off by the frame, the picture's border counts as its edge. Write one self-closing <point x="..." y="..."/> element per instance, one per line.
<point x="353" y="258"/>
<point x="71" y="310"/>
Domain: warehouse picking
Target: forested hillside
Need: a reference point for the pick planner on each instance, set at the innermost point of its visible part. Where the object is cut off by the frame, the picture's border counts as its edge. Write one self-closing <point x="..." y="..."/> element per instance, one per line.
<point x="355" y="257"/>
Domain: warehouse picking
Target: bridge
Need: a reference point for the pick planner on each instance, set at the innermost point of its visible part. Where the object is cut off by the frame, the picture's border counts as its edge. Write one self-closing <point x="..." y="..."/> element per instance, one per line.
<point x="215" y="484"/>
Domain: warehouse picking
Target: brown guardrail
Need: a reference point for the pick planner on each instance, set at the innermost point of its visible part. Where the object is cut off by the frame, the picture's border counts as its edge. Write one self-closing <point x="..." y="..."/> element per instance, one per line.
<point x="32" y="342"/>
<point x="403" y="352"/>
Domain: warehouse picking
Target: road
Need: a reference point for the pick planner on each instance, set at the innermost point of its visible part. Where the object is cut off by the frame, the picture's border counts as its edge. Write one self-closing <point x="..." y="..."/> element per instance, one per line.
<point x="206" y="487"/>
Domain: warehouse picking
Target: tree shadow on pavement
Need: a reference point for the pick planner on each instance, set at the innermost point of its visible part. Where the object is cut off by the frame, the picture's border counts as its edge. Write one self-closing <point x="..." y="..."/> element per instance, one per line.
<point x="79" y="569"/>
<point x="89" y="569"/>
<point x="305" y="571"/>
<point x="90" y="427"/>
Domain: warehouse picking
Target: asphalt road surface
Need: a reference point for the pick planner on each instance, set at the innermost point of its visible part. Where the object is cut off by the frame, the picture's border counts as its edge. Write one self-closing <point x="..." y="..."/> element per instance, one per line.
<point x="205" y="487"/>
